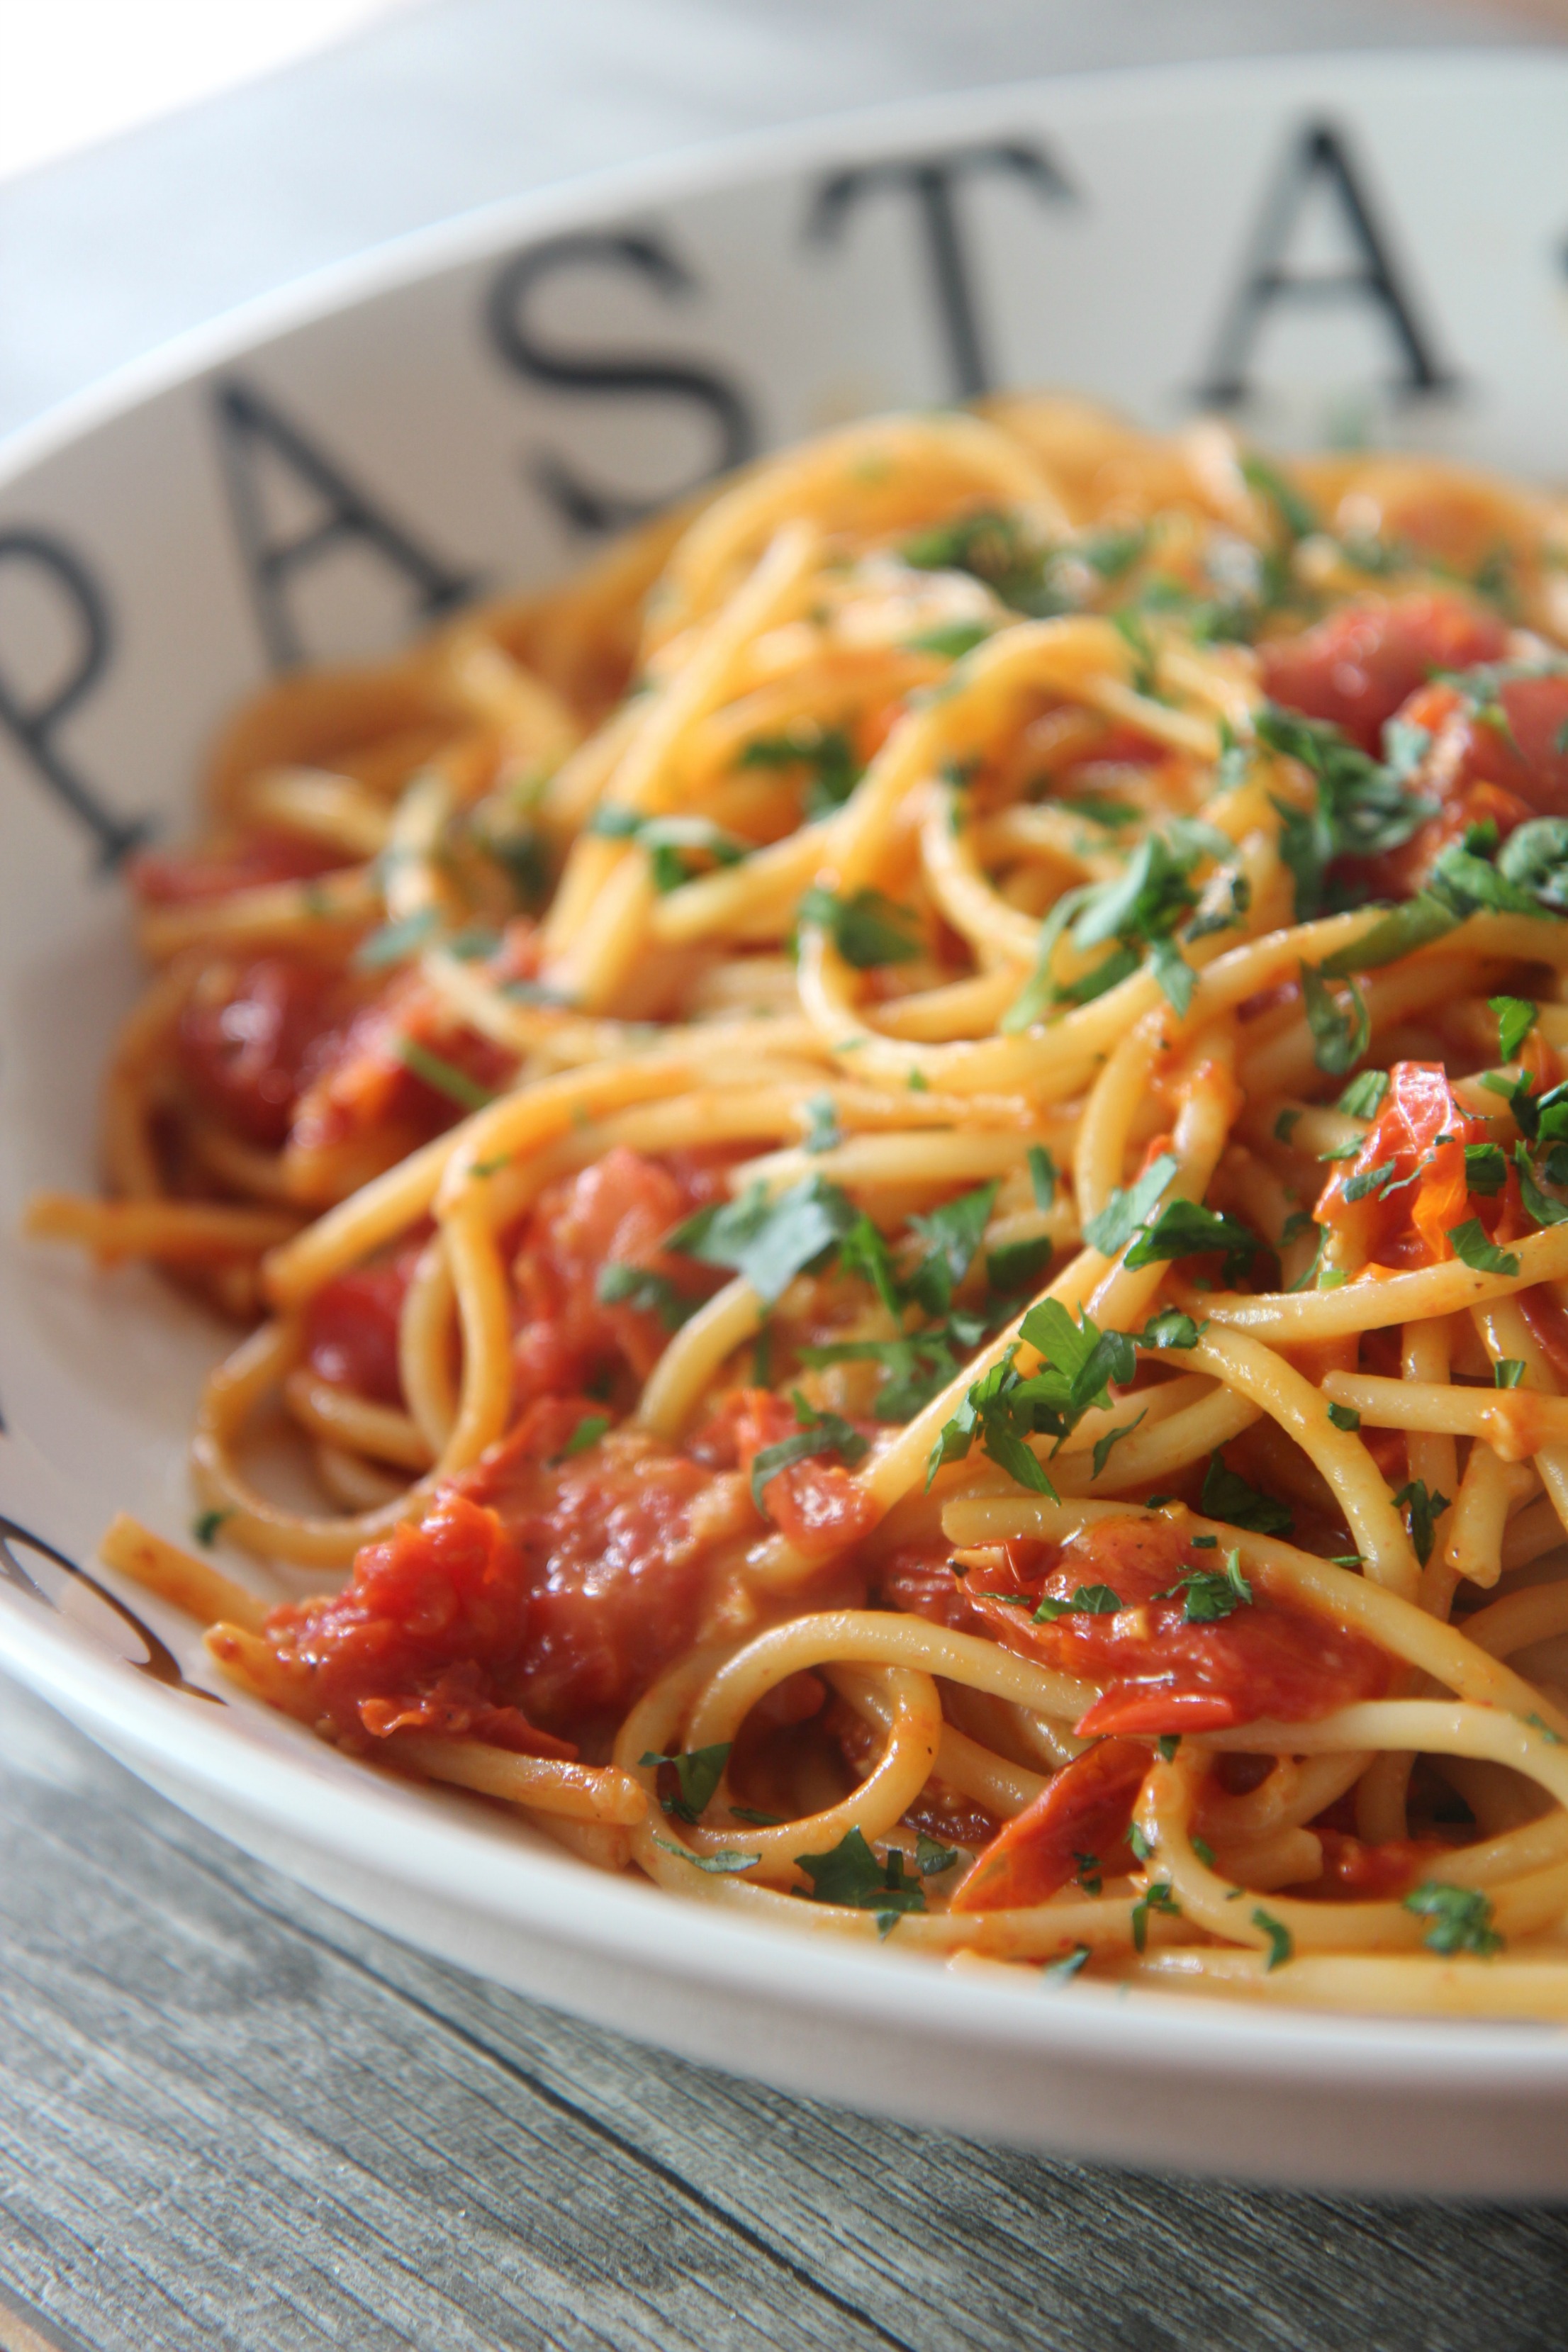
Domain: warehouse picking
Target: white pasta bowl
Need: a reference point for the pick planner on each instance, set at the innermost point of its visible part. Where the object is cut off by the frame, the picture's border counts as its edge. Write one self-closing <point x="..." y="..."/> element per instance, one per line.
<point x="1377" y="246"/>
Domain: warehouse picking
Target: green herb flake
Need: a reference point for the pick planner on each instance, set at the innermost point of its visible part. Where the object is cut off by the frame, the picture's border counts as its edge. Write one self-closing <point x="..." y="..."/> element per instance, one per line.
<point x="588" y="1432"/>
<point x="1507" y="1372"/>
<point x="697" y="1773"/>
<point x="1363" y="1099"/>
<point x="868" y="928"/>
<point x="394" y="942"/>
<point x="1341" y="1034"/>
<point x="725" y="1864"/>
<point x="205" y="1524"/>
<point x="1208" y="1594"/>
<point x="1281" y="1943"/>
<point x="818" y="1434"/>
<point x="1128" y="1208"/>
<point x="1515" y="1020"/>
<point x="1425" y="1509"/>
<point x="768" y="1240"/>
<point x="851" y="1873"/>
<point x="1460" y="1917"/>
<point x="1042" y="1175"/>
<point x="1227" y="1495"/>
<point x="1067" y="1966"/>
<point x="1157" y="1898"/>
<point x="822" y="1132"/>
<point x="444" y="1077"/>
<point x="1344" y="1416"/>
<point x="1470" y="1243"/>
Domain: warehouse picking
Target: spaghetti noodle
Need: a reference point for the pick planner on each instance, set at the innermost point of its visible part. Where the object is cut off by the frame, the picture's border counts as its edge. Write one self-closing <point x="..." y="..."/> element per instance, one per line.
<point x="903" y="1162"/>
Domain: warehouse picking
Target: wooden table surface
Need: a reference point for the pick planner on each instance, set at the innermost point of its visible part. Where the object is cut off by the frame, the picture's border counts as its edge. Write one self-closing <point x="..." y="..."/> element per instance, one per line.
<point x="231" y="2116"/>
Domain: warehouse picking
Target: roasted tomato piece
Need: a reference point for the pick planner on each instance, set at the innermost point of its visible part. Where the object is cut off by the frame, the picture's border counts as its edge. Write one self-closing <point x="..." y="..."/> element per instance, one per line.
<point x="1406" y="1218"/>
<point x="614" y="1213"/>
<point x="1357" y="666"/>
<point x="368" y="1081"/>
<point x="248" y="1049"/>
<point x="1078" y="1821"/>
<point x="180" y="877"/>
<point x="551" y="1589"/>
<point x="1356" y="1872"/>
<point x="1498" y="755"/>
<point x="351" y="1328"/>
<point x="816" y="1503"/>
<point x="1161" y="1671"/>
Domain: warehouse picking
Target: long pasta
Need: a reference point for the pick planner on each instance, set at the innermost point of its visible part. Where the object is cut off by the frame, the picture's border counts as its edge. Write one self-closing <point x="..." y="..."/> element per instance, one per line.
<point x="903" y="1164"/>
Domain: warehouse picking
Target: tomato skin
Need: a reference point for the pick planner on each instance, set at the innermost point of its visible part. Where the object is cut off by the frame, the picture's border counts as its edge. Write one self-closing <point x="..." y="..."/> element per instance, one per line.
<point x="365" y="1082"/>
<point x="534" y="1601"/>
<point x="188" y="878"/>
<point x="1408" y="1223"/>
<point x="816" y="1503"/>
<point x="1479" y="772"/>
<point x="1084" y="1809"/>
<point x="247" y="1053"/>
<point x="351" y="1328"/>
<point x="614" y="1213"/>
<point x="1358" y="666"/>
<point x="1159" y="1673"/>
<point x="1356" y="1872"/>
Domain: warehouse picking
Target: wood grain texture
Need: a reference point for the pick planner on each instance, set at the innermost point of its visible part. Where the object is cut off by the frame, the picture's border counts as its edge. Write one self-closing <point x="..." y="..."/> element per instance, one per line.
<point x="232" y="2117"/>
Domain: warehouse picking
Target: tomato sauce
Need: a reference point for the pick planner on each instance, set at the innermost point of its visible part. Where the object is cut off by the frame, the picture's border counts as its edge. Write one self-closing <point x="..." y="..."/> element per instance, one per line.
<point x="351" y="1327"/>
<point x="249" y="1051"/>
<point x="1360" y="665"/>
<point x="1422" y="1134"/>
<point x="615" y="1213"/>
<point x="1498" y="759"/>
<point x="187" y="877"/>
<point x="1161" y="1675"/>
<point x="816" y="1504"/>
<point x="537" y="1598"/>
<point x="1076" y="1828"/>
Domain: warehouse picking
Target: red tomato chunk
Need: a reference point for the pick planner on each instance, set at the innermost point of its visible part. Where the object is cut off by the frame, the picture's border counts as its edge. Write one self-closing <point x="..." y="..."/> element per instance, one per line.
<point x="1407" y="1219"/>
<point x="1078" y="1821"/>
<point x="534" y="1593"/>
<point x="1160" y="1673"/>
<point x="1360" y="665"/>
<point x="249" y="1050"/>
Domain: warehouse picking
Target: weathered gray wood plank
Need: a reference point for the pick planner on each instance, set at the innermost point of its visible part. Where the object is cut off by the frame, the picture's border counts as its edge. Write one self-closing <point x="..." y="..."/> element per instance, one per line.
<point x="231" y="2116"/>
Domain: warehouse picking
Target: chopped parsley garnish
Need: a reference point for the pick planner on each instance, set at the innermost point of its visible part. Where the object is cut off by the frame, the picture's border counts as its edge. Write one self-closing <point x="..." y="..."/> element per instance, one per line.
<point x="818" y="1434"/>
<point x="1128" y="1208"/>
<point x="1515" y="1020"/>
<point x="1341" y="1034"/>
<point x="822" y="1132"/>
<point x="1227" y="1495"/>
<point x="1113" y="1437"/>
<point x="1167" y="1745"/>
<point x="1169" y="1328"/>
<point x="1507" y="1372"/>
<point x="932" y="1858"/>
<point x="1296" y="515"/>
<point x="1087" y="1874"/>
<point x="1360" y="809"/>
<point x="698" y="1772"/>
<point x="1363" y="1099"/>
<point x="1017" y="1265"/>
<point x="1186" y="1229"/>
<point x="1067" y="1966"/>
<point x="396" y="941"/>
<point x="588" y="1433"/>
<point x="205" y="1524"/>
<point x="868" y="928"/>
<point x="1460" y="1916"/>
<point x="1470" y="1243"/>
<point x="826" y="754"/>
<point x="1088" y="1601"/>
<point x="1486" y="1168"/>
<point x="1143" y="1846"/>
<point x="769" y="1241"/>
<point x="724" y="1864"/>
<point x="1208" y="1594"/>
<point x="1281" y="1943"/>
<point x="1426" y="1510"/>
<point x="851" y="1873"/>
<point x="1535" y="858"/>
<point x="1344" y="1416"/>
<point x="1042" y="1175"/>
<point x="1002" y="1408"/>
<point x="1157" y="1898"/>
<point x="444" y="1076"/>
<point x="950" y="640"/>
<point x="638" y="1287"/>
